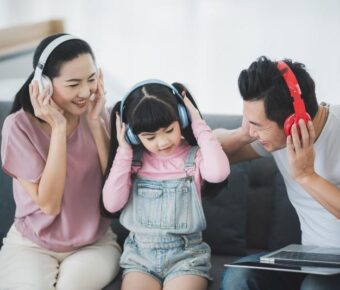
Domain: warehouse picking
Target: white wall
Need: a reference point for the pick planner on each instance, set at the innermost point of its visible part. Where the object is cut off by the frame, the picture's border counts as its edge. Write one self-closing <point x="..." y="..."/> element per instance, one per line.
<point x="202" y="43"/>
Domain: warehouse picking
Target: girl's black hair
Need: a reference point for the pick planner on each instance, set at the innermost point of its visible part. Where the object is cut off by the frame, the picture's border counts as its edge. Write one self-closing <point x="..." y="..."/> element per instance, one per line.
<point x="147" y="109"/>
<point x="64" y="52"/>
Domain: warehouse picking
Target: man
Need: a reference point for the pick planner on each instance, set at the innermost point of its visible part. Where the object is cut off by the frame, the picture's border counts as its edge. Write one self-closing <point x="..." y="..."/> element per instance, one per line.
<point x="308" y="158"/>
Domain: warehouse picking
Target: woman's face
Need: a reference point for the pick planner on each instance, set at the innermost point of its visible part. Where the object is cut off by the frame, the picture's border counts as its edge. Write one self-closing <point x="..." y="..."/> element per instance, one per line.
<point x="76" y="83"/>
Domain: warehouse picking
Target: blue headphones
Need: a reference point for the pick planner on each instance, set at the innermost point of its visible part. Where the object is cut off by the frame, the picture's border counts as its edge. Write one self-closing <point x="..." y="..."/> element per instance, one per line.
<point x="184" y="118"/>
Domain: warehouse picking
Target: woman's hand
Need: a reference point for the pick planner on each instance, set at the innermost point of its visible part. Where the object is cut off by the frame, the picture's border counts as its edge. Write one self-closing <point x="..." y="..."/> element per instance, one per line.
<point x="301" y="153"/>
<point x="193" y="111"/>
<point x="121" y="128"/>
<point x="44" y="107"/>
<point x="97" y="100"/>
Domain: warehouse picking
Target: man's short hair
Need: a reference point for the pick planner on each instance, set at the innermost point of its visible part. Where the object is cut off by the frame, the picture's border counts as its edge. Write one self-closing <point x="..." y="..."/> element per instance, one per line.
<point x="264" y="81"/>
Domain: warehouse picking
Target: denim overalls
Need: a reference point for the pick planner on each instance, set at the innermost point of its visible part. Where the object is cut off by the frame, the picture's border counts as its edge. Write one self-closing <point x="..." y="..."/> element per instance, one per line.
<point x="165" y="219"/>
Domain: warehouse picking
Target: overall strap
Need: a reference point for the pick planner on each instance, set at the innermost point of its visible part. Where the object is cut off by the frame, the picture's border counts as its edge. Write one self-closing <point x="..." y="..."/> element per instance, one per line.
<point x="190" y="161"/>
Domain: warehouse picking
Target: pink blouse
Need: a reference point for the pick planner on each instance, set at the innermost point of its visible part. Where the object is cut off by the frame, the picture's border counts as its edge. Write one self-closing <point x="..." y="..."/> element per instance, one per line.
<point x="24" y="151"/>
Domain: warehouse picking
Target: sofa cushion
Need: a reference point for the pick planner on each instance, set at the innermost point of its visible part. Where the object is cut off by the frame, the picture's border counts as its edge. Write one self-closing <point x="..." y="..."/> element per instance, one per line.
<point x="226" y="214"/>
<point x="261" y="177"/>
<point x="7" y="205"/>
<point x="285" y="225"/>
<point x="121" y="232"/>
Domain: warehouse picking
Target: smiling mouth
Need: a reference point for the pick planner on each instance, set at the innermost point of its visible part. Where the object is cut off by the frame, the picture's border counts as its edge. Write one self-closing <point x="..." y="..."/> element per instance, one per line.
<point x="166" y="149"/>
<point x="80" y="102"/>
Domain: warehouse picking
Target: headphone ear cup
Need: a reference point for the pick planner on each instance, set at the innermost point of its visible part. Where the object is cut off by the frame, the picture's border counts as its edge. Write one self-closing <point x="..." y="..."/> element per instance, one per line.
<point x="183" y="116"/>
<point x="130" y="137"/>
<point x="46" y="82"/>
<point x="289" y="122"/>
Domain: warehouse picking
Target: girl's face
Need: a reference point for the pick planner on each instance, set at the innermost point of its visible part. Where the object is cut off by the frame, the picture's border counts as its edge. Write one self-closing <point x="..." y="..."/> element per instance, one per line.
<point x="77" y="81"/>
<point x="164" y="141"/>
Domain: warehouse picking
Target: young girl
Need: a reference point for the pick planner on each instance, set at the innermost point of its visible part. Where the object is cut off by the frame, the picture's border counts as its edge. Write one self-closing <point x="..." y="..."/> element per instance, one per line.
<point x="156" y="179"/>
<point x="54" y="145"/>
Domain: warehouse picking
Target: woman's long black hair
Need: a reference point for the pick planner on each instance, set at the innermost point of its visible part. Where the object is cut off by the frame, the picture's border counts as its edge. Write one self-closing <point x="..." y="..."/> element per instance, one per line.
<point x="147" y="109"/>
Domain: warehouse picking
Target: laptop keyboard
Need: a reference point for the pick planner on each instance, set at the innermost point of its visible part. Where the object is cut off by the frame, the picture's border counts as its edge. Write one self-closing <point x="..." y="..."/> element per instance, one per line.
<point x="310" y="257"/>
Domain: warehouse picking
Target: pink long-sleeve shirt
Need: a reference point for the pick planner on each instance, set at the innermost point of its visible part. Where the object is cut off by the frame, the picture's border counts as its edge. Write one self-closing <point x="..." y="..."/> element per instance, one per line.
<point x="211" y="162"/>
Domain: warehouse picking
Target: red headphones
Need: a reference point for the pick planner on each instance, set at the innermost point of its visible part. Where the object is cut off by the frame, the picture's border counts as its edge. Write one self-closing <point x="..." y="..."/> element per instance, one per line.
<point x="295" y="92"/>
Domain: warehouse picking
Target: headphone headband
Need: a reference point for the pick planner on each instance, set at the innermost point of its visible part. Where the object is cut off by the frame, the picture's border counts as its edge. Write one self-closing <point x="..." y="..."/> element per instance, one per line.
<point x="183" y="115"/>
<point x="290" y="79"/>
<point x="295" y="93"/>
<point x="146" y="82"/>
<point x="49" y="48"/>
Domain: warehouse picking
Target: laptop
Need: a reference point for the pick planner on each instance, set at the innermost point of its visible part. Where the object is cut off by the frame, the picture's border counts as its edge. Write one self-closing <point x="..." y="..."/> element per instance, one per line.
<point x="298" y="258"/>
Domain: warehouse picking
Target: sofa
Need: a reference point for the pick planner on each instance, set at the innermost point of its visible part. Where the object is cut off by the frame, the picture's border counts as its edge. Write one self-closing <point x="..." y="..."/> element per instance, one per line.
<point x="250" y="213"/>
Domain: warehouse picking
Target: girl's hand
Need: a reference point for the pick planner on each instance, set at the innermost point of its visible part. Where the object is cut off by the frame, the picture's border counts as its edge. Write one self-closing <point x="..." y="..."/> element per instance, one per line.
<point x="301" y="153"/>
<point x="44" y="107"/>
<point x="194" y="113"/>
<point x="121" y="128"/>
<point x="97" y="101"/>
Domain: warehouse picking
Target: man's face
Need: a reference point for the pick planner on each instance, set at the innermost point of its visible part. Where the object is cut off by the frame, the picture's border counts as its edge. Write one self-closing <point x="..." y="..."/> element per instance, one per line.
<point x="267" y="132"/>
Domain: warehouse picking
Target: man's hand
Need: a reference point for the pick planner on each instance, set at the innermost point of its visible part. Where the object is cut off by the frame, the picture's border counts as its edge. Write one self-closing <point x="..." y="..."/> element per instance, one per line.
<point x="301" y="153"/>
<point x="245" y="131"/>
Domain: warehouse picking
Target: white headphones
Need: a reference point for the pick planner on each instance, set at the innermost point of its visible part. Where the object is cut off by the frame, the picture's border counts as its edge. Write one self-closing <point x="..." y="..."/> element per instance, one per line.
<point x="42" y="79"/>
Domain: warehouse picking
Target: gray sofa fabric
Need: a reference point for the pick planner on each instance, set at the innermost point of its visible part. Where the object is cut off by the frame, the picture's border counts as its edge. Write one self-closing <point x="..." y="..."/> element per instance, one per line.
<point x="7" y="205"/>
<point x="252" y="213"/>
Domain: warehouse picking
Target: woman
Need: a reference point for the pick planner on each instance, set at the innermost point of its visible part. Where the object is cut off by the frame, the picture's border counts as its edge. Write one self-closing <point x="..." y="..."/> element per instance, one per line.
<point x="54" y="145"/>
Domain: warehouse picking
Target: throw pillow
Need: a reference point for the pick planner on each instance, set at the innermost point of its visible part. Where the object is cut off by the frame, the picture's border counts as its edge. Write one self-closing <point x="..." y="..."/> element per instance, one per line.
<point x="226" y="214"/>
<point x="285" y="225"/>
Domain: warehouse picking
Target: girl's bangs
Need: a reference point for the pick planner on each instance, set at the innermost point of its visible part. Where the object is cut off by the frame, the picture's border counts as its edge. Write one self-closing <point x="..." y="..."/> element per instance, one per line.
<point x="151" y="115"/>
